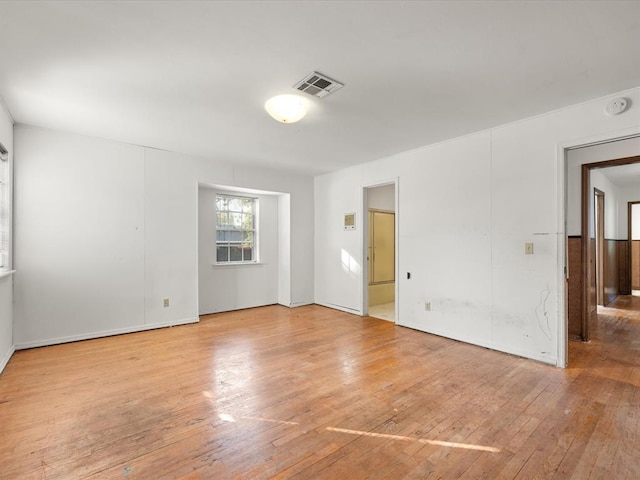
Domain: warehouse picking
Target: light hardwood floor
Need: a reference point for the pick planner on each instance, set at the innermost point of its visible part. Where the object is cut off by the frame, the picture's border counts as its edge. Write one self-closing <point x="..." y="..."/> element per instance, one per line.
<point x="313" y="393"/>
<point x="385" y="311"/>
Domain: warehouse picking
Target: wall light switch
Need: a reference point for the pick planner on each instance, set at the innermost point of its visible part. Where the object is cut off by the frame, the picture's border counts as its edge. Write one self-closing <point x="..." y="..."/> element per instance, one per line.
<point x="165" y="302"/>
<point x="528" y="248"/>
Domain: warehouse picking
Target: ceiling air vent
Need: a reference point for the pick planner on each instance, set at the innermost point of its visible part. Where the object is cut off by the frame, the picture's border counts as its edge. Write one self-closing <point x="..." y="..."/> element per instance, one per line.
<point x="317" y="85"/>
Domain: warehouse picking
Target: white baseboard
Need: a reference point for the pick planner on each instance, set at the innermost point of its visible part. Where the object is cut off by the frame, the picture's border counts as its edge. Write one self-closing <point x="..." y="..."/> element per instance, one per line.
<point x="341" y="308"/>
<point x="104" y="333"/>
<point x="297" y="304"/>
<point x="6" y="358"/>
<point x="542" y="357"/>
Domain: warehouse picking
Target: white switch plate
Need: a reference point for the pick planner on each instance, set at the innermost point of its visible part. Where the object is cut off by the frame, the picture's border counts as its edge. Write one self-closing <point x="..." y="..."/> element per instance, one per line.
<point x="427" y="306"/>
<point x="528" y="248"/>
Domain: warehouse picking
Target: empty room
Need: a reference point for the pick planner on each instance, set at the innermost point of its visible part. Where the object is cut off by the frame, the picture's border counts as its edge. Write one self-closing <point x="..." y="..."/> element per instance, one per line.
<point x="319" y="240"/>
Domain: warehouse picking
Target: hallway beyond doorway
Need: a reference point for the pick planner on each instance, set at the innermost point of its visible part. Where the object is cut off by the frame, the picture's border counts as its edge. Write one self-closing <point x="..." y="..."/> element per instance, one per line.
<point x="385" y="311"/>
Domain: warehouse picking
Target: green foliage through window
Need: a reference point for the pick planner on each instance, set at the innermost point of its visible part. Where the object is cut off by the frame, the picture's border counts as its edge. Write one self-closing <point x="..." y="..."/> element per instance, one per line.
<point x="235" y="229"/>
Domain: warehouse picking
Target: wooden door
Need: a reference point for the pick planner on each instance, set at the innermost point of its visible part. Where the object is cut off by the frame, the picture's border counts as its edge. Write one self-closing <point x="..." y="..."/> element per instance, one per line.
<point x="382" y="247"/>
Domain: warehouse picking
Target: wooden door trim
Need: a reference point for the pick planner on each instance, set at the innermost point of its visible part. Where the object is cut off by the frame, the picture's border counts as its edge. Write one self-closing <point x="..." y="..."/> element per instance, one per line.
<point x="629" y="242"/>
<point x="599" y="234"/>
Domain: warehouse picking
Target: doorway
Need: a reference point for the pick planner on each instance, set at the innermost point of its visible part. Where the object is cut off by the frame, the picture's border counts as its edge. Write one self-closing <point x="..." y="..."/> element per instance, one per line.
<point x="380" y="244"/>
<point x="596" y="255"/>
<point x="599" y="236"/>
<point x="633" y="216"/>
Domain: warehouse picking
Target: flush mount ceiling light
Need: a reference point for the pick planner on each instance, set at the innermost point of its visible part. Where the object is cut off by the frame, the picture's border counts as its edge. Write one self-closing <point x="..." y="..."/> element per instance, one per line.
<point x="286" y="108"/>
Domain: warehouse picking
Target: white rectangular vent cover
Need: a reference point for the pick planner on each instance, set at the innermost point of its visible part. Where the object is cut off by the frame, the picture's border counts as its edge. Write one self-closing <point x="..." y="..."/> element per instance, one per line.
<point x="318" y="85"/>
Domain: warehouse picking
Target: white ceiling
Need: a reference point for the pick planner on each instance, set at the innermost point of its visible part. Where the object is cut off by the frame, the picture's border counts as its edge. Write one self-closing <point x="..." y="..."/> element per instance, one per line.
<point x="623" y="175"/>
<point x="192" y="77"/>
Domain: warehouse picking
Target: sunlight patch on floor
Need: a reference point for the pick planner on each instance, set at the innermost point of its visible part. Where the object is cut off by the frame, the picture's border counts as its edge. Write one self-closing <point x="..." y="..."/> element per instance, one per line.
<point x="270" y="420"/>
<point x="466" y="446"/>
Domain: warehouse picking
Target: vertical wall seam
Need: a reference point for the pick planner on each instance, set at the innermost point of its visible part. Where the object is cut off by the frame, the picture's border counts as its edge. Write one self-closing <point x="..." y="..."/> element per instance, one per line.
<point x="491" y="199"/>
<point x="144" y="235"/>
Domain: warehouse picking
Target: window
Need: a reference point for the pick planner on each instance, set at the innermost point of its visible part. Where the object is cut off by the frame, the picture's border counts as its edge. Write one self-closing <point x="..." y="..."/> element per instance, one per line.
<point x="5" y="226"/>
<point x="236" y="235"/>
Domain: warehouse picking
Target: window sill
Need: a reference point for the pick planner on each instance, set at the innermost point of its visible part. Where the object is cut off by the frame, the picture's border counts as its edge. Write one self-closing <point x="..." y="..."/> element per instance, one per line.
<point x="238" y="264"/>
<point x="6" y="273"/>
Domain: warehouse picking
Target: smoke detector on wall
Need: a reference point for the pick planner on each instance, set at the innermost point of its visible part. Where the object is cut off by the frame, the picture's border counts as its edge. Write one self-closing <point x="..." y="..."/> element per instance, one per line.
<point x="616" y="106"/>
<point x="318" y="85"/>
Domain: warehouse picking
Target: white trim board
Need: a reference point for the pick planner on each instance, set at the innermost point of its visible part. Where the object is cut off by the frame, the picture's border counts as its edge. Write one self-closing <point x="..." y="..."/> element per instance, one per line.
<point x="353" y="311"/>
<point x="104" y="333"/>
<point x="296" y="304"/>
<point x="6" y="358"/>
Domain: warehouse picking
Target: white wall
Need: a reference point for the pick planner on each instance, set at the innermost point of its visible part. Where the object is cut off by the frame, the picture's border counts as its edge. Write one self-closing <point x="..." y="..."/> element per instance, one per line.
<point x="231" y="287"/>
<point x="611" y="206"/>
<point x="629" y="193"/>
<point x="466" y="208"/>
<point x="284" y="249"/>
<point x="6" y="283"/>
<point x="635" y="212"/>
<point x="382" y="197"/>
<point x="590" y="154"/>
<point x="104" y="231"/>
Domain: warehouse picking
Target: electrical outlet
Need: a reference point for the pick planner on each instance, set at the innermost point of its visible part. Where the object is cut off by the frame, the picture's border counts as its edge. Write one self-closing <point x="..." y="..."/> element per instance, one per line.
<point x="427" y="306"/>
<point x="528" y="248"/>
<point x="165" y="302"/>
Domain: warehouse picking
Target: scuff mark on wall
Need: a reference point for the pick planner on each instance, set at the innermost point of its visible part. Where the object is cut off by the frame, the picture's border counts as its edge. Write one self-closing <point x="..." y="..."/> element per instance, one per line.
<point x="542" y="314"/>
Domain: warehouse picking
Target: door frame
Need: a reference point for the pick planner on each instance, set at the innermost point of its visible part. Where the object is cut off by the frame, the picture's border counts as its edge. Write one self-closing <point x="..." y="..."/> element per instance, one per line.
<point x="562" y="164"/>
<point x="599" y="199"/>
<point x="629" y="240"/>
<point x="364" y="239"/>
<point x="586" y="257"/>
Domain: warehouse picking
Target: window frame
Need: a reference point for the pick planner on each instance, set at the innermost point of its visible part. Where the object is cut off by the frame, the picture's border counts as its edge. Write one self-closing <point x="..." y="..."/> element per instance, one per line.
<point x="6" y="186"/>
<point x="248" y="236"/>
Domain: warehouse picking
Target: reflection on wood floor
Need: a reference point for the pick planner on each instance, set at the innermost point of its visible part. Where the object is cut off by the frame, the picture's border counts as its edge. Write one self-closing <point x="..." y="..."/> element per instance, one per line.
<point x="313" y="393"/>
<point x="630" y="304"/>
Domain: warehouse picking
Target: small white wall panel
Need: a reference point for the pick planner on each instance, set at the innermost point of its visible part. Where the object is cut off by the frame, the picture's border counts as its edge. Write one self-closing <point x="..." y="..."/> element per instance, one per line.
<point x="284" y="249"/>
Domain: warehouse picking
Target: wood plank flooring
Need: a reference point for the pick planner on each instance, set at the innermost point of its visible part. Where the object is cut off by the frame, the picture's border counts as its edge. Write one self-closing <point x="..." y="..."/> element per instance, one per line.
<point x="313" y="393"/>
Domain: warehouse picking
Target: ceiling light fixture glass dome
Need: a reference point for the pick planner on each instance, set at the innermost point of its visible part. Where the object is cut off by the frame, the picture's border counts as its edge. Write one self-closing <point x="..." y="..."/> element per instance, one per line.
<point x="286" y="108"/>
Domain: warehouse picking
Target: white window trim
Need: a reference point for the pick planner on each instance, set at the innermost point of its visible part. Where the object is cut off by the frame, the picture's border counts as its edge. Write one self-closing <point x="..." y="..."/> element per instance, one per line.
<point x="6" y="174"/>
<point x="256" y="234"/>
<point x="6" y="273"/>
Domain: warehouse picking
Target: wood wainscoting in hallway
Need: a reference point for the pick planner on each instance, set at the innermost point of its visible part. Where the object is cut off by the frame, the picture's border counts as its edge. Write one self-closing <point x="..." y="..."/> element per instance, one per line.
<point x="313" y="393"/>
